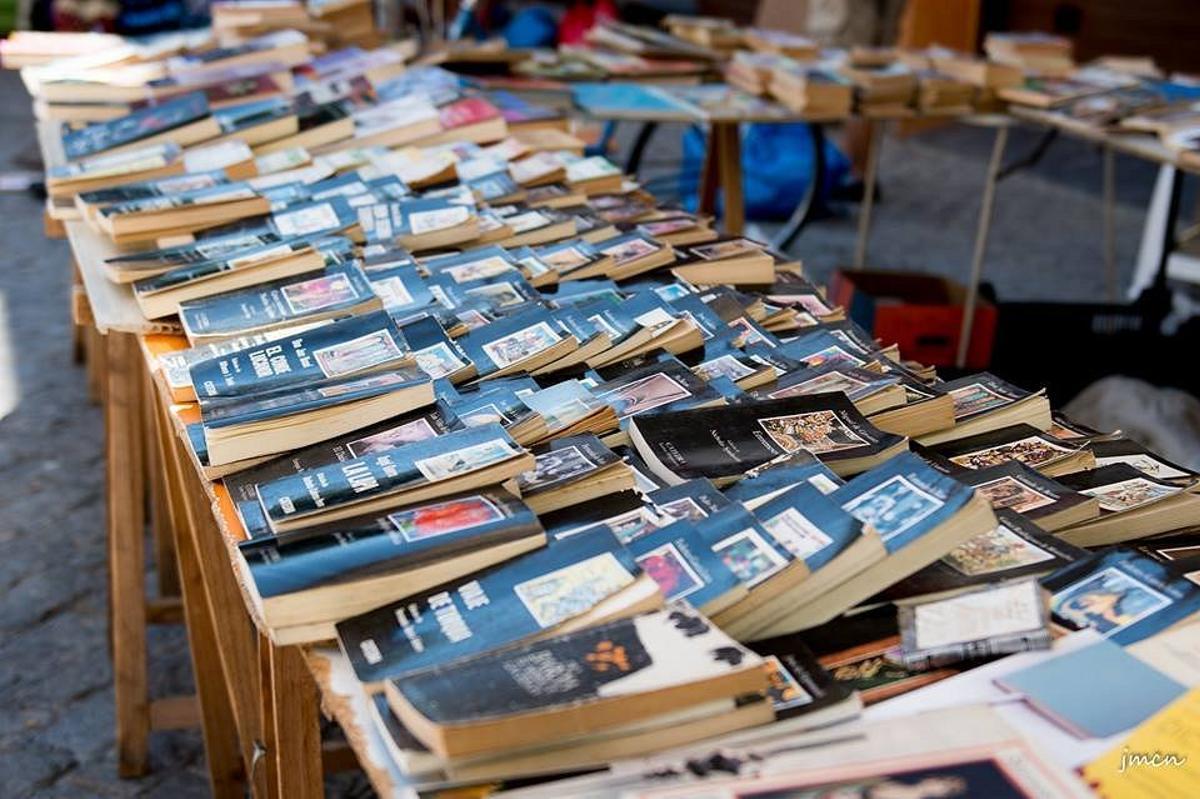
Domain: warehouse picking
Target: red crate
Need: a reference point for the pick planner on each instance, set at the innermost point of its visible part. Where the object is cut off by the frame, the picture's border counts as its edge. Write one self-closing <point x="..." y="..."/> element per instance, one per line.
<point x="921" y="313"/>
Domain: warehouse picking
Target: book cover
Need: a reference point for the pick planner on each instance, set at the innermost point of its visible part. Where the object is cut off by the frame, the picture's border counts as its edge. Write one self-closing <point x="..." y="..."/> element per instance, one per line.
<point x="1122" y="594"/>
<point x="133" y="127"/>
<point x="1119" y="487"/>
<point x="366" y="342"/>
<point x="658" y="388"/>
<point x="810" y="525"/>
<point x="692" y="500"/>
<point x="1022" y="443"/>
<point x="726" y="442"/>
<point x="390" y="471"/>
<point x="564" y="461"/>
<point x="508" y="603"/>
<point x="684" y="564"/>
<point x="1015" y="486"/>
<point x="776" y="476"/>
<point x="1131" y="453"/>
<point x="511" y="341"/>
<point x="406" y="538"/>
<point x="975" y="395"/>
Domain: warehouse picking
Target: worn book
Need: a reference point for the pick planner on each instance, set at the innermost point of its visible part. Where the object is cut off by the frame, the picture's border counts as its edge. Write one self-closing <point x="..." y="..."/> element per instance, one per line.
<point x="339" y="290"/>
<point x="1022" y="443"/>
<point x="984" y="402"/>
<point x="455" y="462"/>
<point x="984" y="621"/>
<point x="1131" y="504"/>
<point x="353" y="346"/>
<point x="619" y="673"/>
<point x="763" y="483"/>
<point x="1123" y="450"/>
<point x="575" y="583"/>
<point x="687" y="567"/>
<point x="1016" y="548"/>
<point x="1121" y="594"/>
<point x="302" y="585"/>
<point x="249" y="426"/>
<point x="1049" y="503"/>
<point x="522" y="342"/>
<point x="184" y="121"/>
<point x="911" y="514"/>
<point x="572" y="469"/>
<point x="723" y="443"/>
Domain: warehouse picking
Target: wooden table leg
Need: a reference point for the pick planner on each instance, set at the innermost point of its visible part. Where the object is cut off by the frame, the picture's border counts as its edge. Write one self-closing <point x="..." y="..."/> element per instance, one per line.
<point x="225" y="770"/>
<point x="161" y="518"/>
<point x="875" y="142"/>
<point x="126" y="546"/>
<point x="729" y="166"/>
<point x="295" y="751"/>
<point x="706" y="192"/>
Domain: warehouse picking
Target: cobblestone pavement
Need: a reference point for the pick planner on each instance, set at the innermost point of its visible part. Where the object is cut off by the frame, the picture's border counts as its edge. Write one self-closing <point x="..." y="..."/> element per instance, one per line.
<point x="56" y="735"/>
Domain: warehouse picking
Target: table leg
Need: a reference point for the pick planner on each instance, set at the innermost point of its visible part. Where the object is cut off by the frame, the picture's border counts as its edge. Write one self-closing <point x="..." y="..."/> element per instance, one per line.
<point x="645" y="133"/>
<point x="981" y="236"/>
<point x="706" y="197"/>
<point x="161" y="518"/>
<point x="729" y="166"/>
<point x="293" y="704"/>
<point x="218" y="727"/>
<point x="875" y="142"/>
<point x="126" y="549"/>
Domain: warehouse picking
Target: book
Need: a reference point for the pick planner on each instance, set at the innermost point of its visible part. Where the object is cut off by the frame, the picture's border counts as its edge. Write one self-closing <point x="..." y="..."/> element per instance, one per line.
<point x="1123" y="450"/>
<point x="1151" y="759"/>
<point x="912" y="515"/>
<point x="1016" y="548"/>
<point x="183" y="121"/>
<point x="1121" y="594"/>
<point x="979" y="622"/>
<point x="763" y="483"/>
<point x="412" y="472"/>
<point x="571" y="584"/>
<point x="622" y="672"/>
<point x="339" y="290"/>
<point x="687" y="567"/>
<point x="984" y="402"/>
<point x="1049" y="503"/>
<point x="240" y="428"/>
<point x="1065" y="689"/>
<point x="302" y="585"/>
<point x="353" y="346"/>
<point x="1022" y="443"/>
<point x="1131" y="505"/>
<point x="722" y="443"/>
<point x="521" y="342"/>
<point x="572" y="469"/>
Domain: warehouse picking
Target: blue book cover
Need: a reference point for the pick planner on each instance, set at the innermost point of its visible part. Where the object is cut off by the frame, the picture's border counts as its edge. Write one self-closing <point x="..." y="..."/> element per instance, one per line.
<point x="564" y="461"/>
<point x="1094" y="692"/>
<point x="357" y="344"/>
<point x="474" y="264"/>
<point x="605" y="100"/>
<point x="239" y="259"/>
<point x="902" y="499"/>
<point x="510" y="341"/>
<point x="401" y="289"/>
<point x="320" y="218"/>
<point x="340" y="287"/>
<point x="133" y="127"/>
<point x="685" y="565"/>
<point x="204" y="249"/>
<point x="775" y="477"/>
<point x="384" y="473"/>
<point x="406" y="538"/>
<point x="1122" y="594"/>
<point x="809" y="525"/>
<point x="691" y="500"/>
<point x="738" y="539"/>
<point x="821" y="347"/>
<point x="511" y="602"/>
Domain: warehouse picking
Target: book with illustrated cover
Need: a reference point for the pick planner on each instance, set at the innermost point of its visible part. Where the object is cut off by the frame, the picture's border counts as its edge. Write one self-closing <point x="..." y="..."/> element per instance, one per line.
<point x="412" y="472"/>
<point x="1132" y="505"/>
<point x="686" y="567"/>
<point x="692" y="500"/>
<point x="655" y="388"/>
<point x="1121" y="594"/>
<point x="521" y="342"/>
<point x="1123" y="450"/>
<point x="723" y="443"/>
<point x="409" y="428"/>
<point x="620" y="511"/>
<point x="144" y="163"/>
<point x="569" y="584"/>
<point x="340" y="290"/>
<point x="435" y="353"/>
<point x="270" y="423"/>
<point x="1022" y="443"/>
<point x="911" y="514"/>
<point x="358" y="344"/>
<point x="419" y="224"/>
<point x="1016" y="548"/>
<point x="984" y="402"/>
<point x="401" y="288"/>
<point x="572" y="469"/>
<point x="764" y="483"/>
<point x="303" y="584"/>
<point x="185" y="118"/>
<point x="1050" y="503"/>
<point x="501" y="405"/>
<point x="822" y="348"/>
<point x="675" y="656"/>
<point x="870" y="392"/>
<point x="984" y="621"/>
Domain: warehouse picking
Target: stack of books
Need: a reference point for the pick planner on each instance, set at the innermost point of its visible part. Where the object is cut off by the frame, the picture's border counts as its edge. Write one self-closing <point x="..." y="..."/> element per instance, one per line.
<point x="571" y="479"/>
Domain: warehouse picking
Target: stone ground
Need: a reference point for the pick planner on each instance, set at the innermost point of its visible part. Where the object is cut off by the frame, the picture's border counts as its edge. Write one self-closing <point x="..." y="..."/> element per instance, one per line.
<point x="56" y="732"/>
